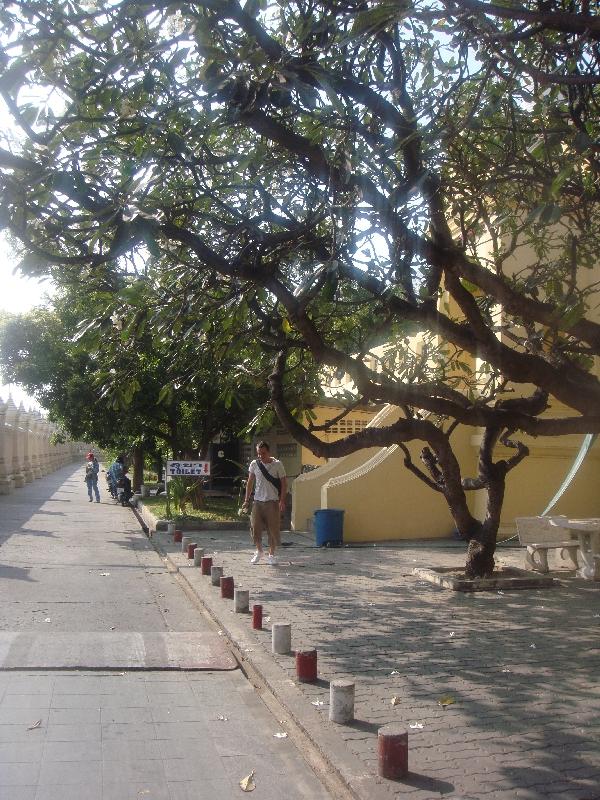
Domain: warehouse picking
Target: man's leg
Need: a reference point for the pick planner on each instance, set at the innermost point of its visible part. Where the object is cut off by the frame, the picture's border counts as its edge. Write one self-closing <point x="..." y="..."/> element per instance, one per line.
<point x="96" y="491"/>
<point x="273" y="528"/>
<point x="257" y="523"/>
<point x="89" y="490"/>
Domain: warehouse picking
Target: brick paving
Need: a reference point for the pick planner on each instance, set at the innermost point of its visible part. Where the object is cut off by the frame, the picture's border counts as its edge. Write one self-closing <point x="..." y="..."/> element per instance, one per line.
<point x="522" y="666"/>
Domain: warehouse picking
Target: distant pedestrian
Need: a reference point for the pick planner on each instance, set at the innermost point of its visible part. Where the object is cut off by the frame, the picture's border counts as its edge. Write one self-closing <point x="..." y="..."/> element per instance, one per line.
<point x="91" y="476"/>
<point x="268" y="480"/>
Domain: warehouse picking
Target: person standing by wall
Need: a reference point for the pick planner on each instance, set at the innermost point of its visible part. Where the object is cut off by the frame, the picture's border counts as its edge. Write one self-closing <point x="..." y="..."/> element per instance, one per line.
<point x="91" y="476"/>
<point x="268" y="480"/>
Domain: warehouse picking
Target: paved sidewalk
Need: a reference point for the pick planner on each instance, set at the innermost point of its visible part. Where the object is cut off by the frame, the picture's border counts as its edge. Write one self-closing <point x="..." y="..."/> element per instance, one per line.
<point x="521" y="666"/>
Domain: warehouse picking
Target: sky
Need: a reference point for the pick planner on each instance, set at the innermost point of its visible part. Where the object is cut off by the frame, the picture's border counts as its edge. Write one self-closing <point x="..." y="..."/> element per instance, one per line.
<point x="17" y="295"/>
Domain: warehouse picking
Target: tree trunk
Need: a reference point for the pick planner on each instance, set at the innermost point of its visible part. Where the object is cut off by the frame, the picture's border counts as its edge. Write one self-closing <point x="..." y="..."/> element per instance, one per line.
<point x="138" y="468"/>
<point x="480" y="554"/>
<point x="482" y="542"/>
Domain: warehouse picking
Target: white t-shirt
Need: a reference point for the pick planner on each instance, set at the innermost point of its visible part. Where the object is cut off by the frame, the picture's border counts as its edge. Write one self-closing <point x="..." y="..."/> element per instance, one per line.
<point x="264" y="489"/>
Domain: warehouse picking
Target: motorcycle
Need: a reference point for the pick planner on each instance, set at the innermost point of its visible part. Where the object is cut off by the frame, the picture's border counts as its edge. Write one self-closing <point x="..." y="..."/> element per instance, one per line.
<point x="123" y="491"/>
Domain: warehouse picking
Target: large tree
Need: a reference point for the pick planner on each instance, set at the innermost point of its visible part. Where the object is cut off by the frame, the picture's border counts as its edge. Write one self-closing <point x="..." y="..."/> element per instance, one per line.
<point x="345" y="176"/>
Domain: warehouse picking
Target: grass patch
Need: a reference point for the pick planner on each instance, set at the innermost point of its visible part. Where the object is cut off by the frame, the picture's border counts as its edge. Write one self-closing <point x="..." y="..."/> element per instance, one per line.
<point x="215" y="509"/>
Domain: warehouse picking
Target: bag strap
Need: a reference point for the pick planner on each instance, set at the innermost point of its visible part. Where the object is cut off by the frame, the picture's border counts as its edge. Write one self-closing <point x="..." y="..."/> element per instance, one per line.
<point x="275" y="481"/>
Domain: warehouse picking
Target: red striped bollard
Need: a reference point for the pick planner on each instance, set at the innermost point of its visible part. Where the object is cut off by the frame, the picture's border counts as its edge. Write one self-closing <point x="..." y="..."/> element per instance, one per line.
<point x="177" y="536"/>
<point x="306" y="665"/>
<point x="392" y="750"/>
<point x="191" y="547"/>
<point x="205" y="565"/>
<point x="226" y="584"/>
<point x="257" y="617"/>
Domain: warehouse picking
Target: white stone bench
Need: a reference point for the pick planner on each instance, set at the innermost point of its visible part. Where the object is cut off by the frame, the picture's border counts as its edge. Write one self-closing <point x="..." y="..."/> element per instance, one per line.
<point x="539" y="536"/>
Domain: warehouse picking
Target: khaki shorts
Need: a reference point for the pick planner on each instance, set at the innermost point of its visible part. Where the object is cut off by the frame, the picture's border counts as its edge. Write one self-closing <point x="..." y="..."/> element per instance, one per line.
<point x="265" y="514"/>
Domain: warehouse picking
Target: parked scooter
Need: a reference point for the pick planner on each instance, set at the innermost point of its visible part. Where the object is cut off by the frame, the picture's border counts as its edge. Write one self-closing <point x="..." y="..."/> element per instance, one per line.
<point x="123" y="490"/>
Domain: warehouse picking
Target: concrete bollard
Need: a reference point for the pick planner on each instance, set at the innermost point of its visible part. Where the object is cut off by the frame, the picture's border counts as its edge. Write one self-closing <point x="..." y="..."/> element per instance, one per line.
<point x="241" y="601"/>
<point x="198" y="554"/>
<point x="177" y="536"/>
<point x="205" y="565"/>
<point x="341" y="701"/>
<point x="227" y="587"/>
<point x="145" y="490"/>
<point x="281" y="637"/>
<point x="306" y="665"/>
<point x="392" y="751"/>
<point x="170" y="528"/>
<point x="191" y="548"/>
<point x="257" y="617"/>
<point x="184" y="543"/>
<point x="216" y="573"/>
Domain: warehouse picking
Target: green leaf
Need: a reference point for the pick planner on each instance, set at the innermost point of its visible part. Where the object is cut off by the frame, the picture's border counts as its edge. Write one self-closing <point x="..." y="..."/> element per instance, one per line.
<point x="378" y="18"/>
<point x="560" y="179"/>
<point x="166" y="394"/>
<point x="572" y="316"/>
<point x="176" y="142"/>
<point x="551" y="214"/>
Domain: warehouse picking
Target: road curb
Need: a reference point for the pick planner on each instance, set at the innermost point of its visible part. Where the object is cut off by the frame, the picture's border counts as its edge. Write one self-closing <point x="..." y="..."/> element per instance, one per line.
<point x="237" y="628"/>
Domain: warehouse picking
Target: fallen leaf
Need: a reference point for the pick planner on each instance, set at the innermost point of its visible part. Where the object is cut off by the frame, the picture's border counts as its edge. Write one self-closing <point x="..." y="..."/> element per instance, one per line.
<point x="394" y="672"/>
<point x="247" y="784"/>
<point x="500" y="591"/>
<point x="317" y="703"/>
<point x="395" y="701"/>
<point x="416" y="726"/>
<point x="279" y="735"/>
<point x="532" y="646"/>
<point x="248" y="650"/>
<point x="47" y="619"/>
<point x="112" y="627"/>
<point x="505" y="669"/>
<point x="221" y="718"/>
<point x="35" y="725"/>
<point x="451" y="634"/>
<point x="446" y="700"/>
<point x="105" y="574"/>
<point x="267" y="619"/>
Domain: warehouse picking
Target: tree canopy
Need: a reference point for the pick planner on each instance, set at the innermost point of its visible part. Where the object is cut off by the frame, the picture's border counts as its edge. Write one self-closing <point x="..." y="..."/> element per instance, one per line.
<point x="324" y="179"/>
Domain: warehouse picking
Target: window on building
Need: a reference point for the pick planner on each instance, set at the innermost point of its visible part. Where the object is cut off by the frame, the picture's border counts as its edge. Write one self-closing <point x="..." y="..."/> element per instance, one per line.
<point x="246" y="453"/>
<point x="287" y="450"/>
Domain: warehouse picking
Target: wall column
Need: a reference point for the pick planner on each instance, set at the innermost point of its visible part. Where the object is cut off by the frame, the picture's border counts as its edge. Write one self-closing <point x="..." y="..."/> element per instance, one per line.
<point x="6" y="484"/>
<point x="26" y="419"/>
<point x="14" y="419"/>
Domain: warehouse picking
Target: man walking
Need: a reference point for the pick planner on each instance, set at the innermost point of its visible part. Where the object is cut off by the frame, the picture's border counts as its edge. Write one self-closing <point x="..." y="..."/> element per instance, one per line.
<point x="267" y="478"/>
<point x="91" y="476"/>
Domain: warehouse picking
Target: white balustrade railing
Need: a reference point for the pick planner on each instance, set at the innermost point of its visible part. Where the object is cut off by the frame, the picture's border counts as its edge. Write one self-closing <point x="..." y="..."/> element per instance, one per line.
<point x="27" y="451"/>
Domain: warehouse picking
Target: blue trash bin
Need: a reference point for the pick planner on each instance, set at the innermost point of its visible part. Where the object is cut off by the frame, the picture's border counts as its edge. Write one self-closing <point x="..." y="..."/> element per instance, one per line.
<point x="329" y="527"/>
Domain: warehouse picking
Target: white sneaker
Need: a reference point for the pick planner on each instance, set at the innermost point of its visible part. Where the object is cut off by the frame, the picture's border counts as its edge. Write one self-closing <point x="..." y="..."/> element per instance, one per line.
<point x="256" y="557"/>
<point x="271" y="559"/>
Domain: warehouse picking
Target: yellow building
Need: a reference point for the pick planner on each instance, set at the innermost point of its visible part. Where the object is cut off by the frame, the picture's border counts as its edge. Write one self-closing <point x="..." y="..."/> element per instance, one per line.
<point x="382" y="500"/>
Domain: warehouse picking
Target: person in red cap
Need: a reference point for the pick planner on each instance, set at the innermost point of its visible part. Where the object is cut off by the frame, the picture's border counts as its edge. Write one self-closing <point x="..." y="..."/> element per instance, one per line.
<point x="91" y="476"/>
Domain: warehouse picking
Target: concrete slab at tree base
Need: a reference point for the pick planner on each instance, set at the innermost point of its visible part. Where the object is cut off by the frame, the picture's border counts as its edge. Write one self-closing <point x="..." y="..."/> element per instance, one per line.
<point x="506" y="578"/>
<point x="114" y="650"/>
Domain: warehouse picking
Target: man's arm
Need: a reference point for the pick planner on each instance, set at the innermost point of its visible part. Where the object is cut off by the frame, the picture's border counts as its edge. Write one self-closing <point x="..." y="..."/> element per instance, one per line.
<point x="249" y="488"/>
<point x="283" y="495"/>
